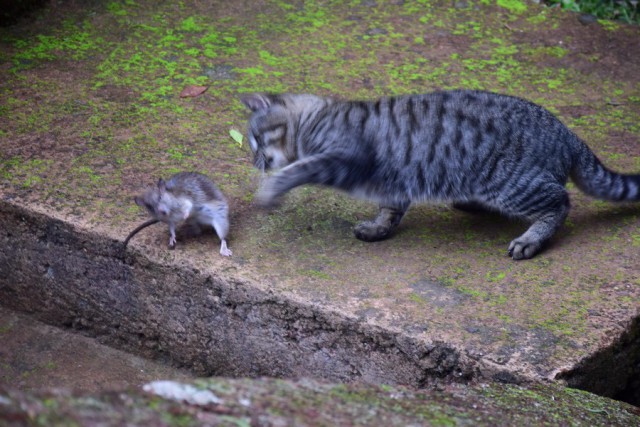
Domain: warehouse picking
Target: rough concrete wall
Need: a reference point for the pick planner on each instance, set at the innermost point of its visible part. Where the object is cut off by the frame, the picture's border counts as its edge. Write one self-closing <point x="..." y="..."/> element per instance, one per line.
<point x="614" y="371"/>
<point x="210" y="324"/>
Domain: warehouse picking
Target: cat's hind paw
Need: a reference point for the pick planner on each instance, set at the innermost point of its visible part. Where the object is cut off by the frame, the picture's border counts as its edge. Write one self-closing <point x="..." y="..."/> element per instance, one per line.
<point x="523" y="249"/>
<point x="371" y="231"/>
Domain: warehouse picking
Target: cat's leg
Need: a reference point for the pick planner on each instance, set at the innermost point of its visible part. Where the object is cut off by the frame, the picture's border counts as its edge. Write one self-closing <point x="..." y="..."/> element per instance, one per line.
<point x="332" y="169"/>
<point x="548" y="209"/>
<point x="383" y="225"/>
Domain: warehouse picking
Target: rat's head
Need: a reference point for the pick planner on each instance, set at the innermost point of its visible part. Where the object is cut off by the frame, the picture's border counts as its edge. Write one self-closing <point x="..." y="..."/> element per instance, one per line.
<point x="159" y="202"/>
<point x="273" y="124"/>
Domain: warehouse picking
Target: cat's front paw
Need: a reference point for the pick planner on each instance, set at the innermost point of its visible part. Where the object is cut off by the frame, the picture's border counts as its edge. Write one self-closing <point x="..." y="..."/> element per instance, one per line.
<point x="371" y="231"/>
<point x="267" y="202"/>
<point x="267" y="197"/>
<point x="523" y="248"/>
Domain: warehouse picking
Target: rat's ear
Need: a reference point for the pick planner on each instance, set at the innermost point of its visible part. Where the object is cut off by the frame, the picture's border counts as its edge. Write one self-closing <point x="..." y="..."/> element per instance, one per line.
<point x="256" y="101"/>
<point x="138" y="201"/>
<point x="162" y="185"/>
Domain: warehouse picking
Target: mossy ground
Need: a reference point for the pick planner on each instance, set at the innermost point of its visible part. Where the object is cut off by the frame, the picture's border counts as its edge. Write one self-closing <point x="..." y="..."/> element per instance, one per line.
<point x="90" y="114"/>
<point x="311" y="403"/>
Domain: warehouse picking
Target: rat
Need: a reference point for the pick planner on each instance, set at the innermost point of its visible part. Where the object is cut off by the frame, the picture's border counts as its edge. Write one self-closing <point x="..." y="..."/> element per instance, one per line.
<point x="186" y="197"/>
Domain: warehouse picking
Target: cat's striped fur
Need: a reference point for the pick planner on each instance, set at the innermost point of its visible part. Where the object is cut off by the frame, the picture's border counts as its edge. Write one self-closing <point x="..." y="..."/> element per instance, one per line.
<point x="475" y="149"/>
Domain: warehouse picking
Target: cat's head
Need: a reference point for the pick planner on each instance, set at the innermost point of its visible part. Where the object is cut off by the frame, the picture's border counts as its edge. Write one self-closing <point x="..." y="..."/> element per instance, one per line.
<point x="273" y="124"/>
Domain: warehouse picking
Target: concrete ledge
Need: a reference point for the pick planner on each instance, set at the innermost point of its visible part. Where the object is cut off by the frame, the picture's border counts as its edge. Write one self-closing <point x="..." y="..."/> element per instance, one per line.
<point x="210" y="323"/>
<point x="267" y="402"/>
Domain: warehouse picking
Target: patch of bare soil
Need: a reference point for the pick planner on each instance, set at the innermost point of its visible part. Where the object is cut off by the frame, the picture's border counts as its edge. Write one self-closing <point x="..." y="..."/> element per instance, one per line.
<point x="592" y="49"/>
<point x="34" y="356"/>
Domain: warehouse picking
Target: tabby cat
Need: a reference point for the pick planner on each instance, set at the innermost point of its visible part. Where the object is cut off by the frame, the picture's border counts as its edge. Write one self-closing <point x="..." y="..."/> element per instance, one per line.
<point x="475" y="149"/>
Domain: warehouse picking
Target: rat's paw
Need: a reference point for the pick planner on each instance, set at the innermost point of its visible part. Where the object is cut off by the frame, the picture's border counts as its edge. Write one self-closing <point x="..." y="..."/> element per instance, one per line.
<point x="224" y="250"/>
<point x="523" y="248"/>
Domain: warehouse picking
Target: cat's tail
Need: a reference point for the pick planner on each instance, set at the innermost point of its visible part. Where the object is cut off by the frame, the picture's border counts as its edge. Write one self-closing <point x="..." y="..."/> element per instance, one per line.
<point x="592" y="177"/>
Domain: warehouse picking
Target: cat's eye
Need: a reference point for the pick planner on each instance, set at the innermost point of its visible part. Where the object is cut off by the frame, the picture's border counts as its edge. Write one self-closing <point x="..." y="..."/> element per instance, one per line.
<point x="254" y="142"/>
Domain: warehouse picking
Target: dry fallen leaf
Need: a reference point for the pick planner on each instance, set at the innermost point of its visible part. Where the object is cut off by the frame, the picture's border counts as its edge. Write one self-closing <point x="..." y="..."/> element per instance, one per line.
<point x="193" y="91"/>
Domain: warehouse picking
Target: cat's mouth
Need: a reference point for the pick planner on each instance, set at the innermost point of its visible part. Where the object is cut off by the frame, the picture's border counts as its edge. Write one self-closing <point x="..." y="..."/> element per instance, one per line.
<point x="260" y="162"/>
<point x="268" y="161"/>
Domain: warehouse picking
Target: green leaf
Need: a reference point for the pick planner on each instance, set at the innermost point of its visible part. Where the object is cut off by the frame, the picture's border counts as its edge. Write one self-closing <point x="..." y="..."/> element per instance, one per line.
<point x="237" y="136"/>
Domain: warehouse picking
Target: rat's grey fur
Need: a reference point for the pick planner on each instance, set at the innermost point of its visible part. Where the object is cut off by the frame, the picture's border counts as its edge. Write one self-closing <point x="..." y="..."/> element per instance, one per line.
<point x="187" y="197"/>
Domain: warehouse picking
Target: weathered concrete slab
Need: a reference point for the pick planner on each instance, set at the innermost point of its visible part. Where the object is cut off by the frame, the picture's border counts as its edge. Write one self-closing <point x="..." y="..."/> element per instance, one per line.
<point x="306" y="402"/>
<point x="214" y="322"/>
<point x="90" y="114"/>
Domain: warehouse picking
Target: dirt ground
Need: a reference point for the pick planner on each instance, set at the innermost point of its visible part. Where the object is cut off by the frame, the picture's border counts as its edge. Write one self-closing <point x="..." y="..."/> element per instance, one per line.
<point x="36" y="356"/>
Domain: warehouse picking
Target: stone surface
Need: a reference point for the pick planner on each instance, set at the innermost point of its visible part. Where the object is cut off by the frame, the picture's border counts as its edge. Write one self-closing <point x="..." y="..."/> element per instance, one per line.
<point x="265" y="402"/>
<point x="90" y="114"/>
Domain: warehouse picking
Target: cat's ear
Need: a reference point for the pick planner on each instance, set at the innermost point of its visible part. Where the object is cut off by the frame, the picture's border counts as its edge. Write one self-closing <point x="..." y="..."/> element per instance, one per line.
<point x="256" y="101"/>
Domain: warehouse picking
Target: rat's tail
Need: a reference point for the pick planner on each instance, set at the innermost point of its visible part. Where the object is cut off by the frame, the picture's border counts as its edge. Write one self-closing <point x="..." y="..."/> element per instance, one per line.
<point x="137" y="229"/>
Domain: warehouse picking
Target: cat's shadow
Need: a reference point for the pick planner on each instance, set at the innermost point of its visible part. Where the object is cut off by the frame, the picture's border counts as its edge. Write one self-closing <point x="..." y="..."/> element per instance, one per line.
<point x="610" y="215"/>
<point x="490" y="226"/>
<point x="606" y="214"/>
